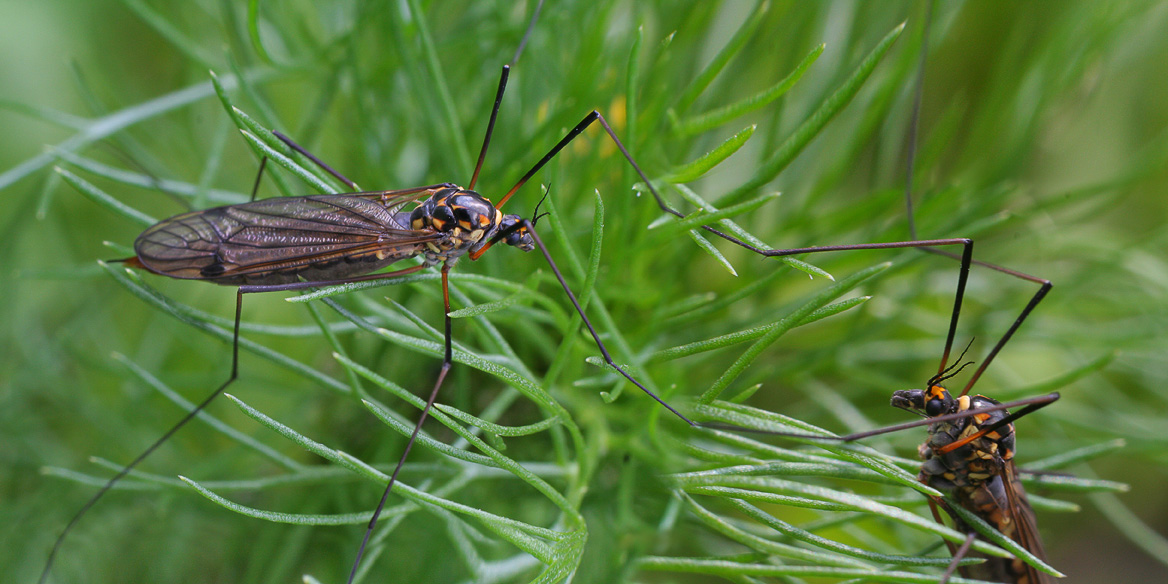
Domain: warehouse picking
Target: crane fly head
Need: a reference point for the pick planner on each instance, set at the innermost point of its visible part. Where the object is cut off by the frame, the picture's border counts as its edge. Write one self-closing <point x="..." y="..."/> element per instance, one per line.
<point x="930" y="403"/>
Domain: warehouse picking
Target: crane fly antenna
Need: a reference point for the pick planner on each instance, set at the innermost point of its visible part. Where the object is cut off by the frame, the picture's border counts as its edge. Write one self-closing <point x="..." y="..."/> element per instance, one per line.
<point x="536" y="215"/>
<point x="949" y="372"/>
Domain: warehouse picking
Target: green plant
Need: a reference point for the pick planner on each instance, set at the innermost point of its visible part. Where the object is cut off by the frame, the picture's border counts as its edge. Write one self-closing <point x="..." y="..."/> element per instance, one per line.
<point x="397" y="95"/>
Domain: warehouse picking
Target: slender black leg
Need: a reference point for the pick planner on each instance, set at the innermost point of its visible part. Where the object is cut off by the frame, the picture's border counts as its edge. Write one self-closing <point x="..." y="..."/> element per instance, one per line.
<point x="491" y="123"/>
<point x="914" y="127"/>
<point x="587" y="323"/>
<point x="206" y="401"/>
<point x="255" y="187"/>
<point x="529" y="227"/>
<point x="447" y="363"/>
<point x="315" y="160"/>
<point x="958" y="555"/>
<point x="593" y="116"/>
<point x="1029" y="405"/>
<point x="957" y="552"/>
<point x="157" y="443"/>
<point x="966" y="257"/>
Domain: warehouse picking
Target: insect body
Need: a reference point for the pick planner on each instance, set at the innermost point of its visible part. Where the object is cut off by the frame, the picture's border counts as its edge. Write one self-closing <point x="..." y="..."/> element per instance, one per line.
<point x="972" y="459"/>
<point x="324" y="237"/>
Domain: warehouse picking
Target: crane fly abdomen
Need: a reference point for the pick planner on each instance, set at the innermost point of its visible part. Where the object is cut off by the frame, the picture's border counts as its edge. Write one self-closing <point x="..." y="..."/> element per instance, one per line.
<point x="284" y="240"/>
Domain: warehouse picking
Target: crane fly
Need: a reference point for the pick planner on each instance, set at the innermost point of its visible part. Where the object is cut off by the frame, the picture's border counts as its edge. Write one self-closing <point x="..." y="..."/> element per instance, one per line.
<point x="972" y="459"/>
<point x="970" y="450"/>
<point x="296" y="243"/>
<point x="969" y="454"/>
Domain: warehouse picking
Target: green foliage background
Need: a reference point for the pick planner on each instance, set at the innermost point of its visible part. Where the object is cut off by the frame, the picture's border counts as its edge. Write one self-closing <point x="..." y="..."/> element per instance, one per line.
<point x="1042" y="136"/>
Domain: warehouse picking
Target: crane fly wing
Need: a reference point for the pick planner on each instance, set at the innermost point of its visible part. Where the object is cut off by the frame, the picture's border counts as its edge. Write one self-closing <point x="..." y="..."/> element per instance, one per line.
<point x="1025" y="526"/>
<point x="277" y="240"/>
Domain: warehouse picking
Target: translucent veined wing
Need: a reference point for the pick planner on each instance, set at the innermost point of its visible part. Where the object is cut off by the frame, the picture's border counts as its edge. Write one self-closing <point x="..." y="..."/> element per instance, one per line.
<point x="316" y="237"/>
<point x="1025" y="528"/>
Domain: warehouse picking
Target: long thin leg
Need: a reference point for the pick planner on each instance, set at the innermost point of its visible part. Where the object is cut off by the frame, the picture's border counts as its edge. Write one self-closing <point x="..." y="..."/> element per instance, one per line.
<point x="255" y="186"/>
<point x="157" y="443"/>
<point x="587" y="323"/>
<point x="490" y="125"/>
<point x="447" y="363"/>
<point x="958" y="555"/>
<point x="206" y="401"/>
<point x="1037" y="404"/>
<point x="593" y="116"/>
<point x="1030" y="405"/>
<point x="1044" y="287"/>
<point x="315" y="160"/>
<point x="966" y="257"/>
<point x="914" y="128"/>
<point x="529" y="227"/>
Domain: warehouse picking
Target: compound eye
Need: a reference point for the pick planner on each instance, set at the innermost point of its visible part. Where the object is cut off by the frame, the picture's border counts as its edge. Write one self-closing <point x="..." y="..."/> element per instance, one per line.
<point x="934" y="407"/>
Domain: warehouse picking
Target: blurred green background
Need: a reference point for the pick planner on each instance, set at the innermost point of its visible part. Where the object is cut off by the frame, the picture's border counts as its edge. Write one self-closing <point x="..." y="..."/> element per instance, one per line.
<point x="1043" y="135"/>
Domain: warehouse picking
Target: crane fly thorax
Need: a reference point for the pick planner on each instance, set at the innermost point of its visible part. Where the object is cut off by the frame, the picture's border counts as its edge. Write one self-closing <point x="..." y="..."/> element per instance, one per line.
<point x="463" y="217"/>
<point x="466" y="220"/>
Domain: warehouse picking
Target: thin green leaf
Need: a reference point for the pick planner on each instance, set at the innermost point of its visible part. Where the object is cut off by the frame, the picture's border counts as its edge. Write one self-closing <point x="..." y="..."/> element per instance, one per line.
<point x="1070" y="484"/>
<point x="988" y="531"/>
<point x="1077" y="455"/>
<point x="782" y="486"/>
<point x="278" y="517"/>
<point x="742" y="234"/>
<point x="767" y="546"/>
<point x="497" y="429"/>
<point x="253" y="32"/>
<point x="490" y="307"/>
<point x="699" y="218"/>
<point x="104" y="199"/>
<point x="781" y="328"/>
<point x="712" y="119"/>
<point x="709" y="248"/>
<point x="308" y="177"/>
<point x="728" y="52"/>
<point x="1040" y="503"/>
<point x="694" y="170"/>
<point x="732" y="569"/>
<point x="750" y="334"/>
<point x="805" y="536"/>
<point x="802" y="136"/>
